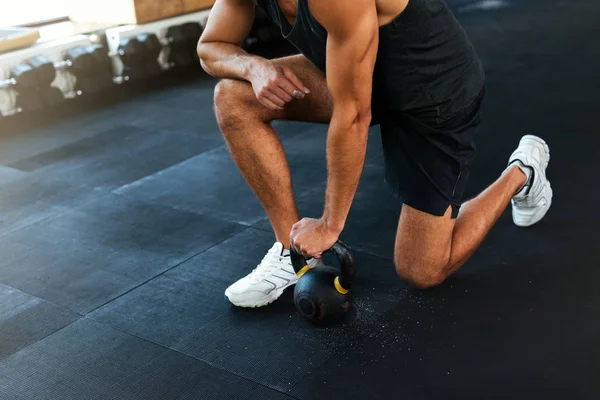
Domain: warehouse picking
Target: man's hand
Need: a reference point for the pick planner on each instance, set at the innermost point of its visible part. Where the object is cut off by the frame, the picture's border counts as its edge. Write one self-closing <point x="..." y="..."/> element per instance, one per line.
<point x="275" y="86"/>
<point x="311" y="237"/>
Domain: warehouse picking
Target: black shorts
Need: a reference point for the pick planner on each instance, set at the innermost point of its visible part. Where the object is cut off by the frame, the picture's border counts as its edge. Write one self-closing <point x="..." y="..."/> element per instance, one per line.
<point x="428" y="158"/>
<point x="427" y="93"/>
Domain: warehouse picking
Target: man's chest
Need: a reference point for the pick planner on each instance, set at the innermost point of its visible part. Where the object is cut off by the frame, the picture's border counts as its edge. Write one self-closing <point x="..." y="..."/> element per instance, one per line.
<point x="289" y="9"/>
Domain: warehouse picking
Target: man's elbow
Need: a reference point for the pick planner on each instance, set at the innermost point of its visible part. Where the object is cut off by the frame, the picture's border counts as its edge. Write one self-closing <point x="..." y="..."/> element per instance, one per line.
<point x="355" y="116"/>
<point x="202" y="49"/>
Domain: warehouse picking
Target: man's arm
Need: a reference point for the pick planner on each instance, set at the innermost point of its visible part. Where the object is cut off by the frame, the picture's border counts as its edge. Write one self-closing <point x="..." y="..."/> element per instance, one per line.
<point x="219" y="47"/>
<point x="351" y="52"/>
<point x="221" y="55"/>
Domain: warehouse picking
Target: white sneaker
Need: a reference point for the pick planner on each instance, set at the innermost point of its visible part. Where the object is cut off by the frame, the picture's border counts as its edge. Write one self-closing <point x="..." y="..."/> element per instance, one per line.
<point x="532" y="202"/>
<point x="267" y="281"/>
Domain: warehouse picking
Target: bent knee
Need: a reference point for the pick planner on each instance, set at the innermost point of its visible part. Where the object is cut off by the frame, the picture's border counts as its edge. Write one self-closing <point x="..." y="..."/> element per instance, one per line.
<point x="230" y="94"/>
<point x="235" y="103"/>
<point x="422" y="276"/>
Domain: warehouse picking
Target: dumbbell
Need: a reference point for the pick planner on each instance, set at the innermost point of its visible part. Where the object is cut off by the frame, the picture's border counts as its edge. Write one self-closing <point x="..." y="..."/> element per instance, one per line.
<point x="182" y="44"/>
<point x="35" y="99"/>
<point x="32" y="82"/>
<point x="38" y="71"/>
<point x="91" y="67"/>
<point x="139" y="55"/>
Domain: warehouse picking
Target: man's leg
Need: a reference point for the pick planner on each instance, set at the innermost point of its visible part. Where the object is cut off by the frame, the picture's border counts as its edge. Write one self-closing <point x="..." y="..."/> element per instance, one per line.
<point x="254" y="144"/>
<point x="430" y="248"/>
<point x="257" y="151"/>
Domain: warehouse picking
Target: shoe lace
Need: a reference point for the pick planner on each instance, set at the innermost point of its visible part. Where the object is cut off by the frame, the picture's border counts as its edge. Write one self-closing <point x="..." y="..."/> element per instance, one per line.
<point x="270" y="262"/>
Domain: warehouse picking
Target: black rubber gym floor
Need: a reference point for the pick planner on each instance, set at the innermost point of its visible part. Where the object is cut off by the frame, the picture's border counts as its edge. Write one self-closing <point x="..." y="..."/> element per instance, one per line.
<point x="121" y="228"/>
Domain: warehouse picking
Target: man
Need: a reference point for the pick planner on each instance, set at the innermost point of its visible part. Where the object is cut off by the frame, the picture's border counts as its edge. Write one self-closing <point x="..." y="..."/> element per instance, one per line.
<point x="406" y="65"/>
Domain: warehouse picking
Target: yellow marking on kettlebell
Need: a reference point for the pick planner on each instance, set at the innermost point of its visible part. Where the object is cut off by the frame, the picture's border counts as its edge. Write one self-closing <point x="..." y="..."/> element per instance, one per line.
<point x="338" y="286"/>
<point x="302" y="271"/>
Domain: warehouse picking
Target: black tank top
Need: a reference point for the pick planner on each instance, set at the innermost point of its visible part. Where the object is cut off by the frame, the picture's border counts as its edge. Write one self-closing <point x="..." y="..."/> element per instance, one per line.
<point x="424" y="57"/>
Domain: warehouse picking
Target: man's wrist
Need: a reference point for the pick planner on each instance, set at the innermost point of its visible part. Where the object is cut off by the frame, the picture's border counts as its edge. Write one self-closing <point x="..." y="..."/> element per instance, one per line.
<point x="251" y="66"/>
<point x="333" y="224"/>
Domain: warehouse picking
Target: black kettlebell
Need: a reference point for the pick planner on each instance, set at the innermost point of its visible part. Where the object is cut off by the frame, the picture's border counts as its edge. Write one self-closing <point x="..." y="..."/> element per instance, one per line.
<point x="322" y="294"/>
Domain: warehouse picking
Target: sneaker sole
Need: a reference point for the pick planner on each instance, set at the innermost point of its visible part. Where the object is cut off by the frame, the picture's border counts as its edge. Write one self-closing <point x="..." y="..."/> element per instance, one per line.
<point x="268" y="299"/>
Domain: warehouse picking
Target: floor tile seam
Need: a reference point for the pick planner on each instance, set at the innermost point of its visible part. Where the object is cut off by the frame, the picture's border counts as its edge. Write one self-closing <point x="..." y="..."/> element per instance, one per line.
<point x="142" y="179"/>
<point x="183" y="353"/>
<point x="60" y="307"/>
<point x="80" y="318"/>
<point x="215" y="366"/>
<point x="183" y="209"/>
<point x="60" y="211"/>
<point x="168" y="269"/>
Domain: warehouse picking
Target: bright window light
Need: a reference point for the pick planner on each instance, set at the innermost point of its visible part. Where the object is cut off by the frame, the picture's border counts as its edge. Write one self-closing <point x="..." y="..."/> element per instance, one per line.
<point x="20" y="12"/>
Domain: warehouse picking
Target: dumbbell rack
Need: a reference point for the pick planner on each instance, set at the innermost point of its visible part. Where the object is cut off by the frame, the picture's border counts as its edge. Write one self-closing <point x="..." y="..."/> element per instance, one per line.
<point x="132" y="53"/>
<point x="117" y="38"/>
<point x="54" y="52"/>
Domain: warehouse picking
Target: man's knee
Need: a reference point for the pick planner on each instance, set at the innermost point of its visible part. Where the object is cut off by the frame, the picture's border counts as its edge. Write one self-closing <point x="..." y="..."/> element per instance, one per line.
<point x="421" y="275"/>
<point x="229" y="97"/>
<point x="234" y="102"/>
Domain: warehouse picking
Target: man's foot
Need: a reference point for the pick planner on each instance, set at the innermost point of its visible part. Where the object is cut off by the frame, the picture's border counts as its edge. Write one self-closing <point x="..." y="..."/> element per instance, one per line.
<point x="267" y="281"/>
<point x="531" y="203"/>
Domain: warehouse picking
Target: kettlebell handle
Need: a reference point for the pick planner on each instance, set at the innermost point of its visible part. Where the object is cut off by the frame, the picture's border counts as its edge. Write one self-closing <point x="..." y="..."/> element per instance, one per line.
<point x="343" y="282"/>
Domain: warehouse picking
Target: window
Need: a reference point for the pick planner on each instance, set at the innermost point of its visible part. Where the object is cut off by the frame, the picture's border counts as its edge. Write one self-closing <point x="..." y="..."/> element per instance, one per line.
<point x="23" y="12"/>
